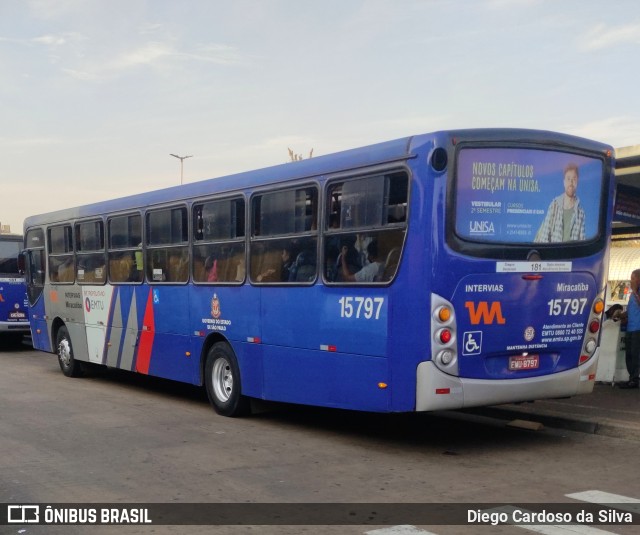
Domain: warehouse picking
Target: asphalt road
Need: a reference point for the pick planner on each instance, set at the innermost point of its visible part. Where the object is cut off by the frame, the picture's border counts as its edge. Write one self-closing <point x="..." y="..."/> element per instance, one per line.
<point x="114" y="437"/>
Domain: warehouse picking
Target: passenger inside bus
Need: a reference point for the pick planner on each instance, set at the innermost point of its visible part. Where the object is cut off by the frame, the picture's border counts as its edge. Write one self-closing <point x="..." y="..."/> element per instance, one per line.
<point x="285" y="261"/>
<point x="304" y="267"/>
<point x="369" y="273"/>
<point x="211" y="269"/>
<point x="275" y="270"/>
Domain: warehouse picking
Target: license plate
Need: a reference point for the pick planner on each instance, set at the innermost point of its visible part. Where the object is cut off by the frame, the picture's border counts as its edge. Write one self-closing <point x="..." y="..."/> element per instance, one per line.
<point x="524" y="362"/>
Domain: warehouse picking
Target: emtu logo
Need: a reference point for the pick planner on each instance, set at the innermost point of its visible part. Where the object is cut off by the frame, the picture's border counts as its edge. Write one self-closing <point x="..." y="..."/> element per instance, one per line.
<point x="485" y="313"/>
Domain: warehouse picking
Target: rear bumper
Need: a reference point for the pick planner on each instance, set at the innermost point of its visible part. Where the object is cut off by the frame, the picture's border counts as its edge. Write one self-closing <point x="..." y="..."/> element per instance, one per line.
<point x="436" y="390"/>
<point x="14" y="326"/>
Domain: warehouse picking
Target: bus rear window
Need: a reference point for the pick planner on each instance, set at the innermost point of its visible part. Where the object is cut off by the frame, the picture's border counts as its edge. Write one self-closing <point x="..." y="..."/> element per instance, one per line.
<point x="525" y="196"/>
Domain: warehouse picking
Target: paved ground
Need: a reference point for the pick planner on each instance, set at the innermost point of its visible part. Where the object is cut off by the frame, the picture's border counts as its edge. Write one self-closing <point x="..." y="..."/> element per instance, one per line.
<point x="119" y="437"/>
<point x="609" y="411"/>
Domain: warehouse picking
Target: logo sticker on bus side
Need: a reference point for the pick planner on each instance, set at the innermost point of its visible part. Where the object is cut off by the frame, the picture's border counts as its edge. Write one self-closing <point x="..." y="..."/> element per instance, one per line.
<point x="472" y="343"/>
<point x="483" y="312"/>
<point x="216" y="322"/>
<point x="215" y="307"/>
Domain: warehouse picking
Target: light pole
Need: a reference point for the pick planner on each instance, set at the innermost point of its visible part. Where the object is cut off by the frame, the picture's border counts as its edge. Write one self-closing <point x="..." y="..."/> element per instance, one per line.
<point x="182" y="159"/>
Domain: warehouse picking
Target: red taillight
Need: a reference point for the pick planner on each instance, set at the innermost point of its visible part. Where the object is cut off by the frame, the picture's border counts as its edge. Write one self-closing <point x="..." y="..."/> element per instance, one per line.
<point x="445" y="336"/>
<point x="594" y="326"/>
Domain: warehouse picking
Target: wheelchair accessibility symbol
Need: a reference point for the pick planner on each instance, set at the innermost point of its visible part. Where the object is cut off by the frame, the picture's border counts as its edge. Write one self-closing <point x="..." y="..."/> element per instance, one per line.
<point x="472" y="343"/>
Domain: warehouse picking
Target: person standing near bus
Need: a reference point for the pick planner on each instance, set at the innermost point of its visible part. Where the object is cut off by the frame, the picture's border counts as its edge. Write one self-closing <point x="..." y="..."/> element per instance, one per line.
<point x="565" y="216"/>
<point x="631" y="317"/>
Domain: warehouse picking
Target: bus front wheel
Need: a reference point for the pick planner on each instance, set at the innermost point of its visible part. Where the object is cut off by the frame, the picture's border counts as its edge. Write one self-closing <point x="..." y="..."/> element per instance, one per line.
<point x="222" y="379"/>
<point x="69" y="365"/>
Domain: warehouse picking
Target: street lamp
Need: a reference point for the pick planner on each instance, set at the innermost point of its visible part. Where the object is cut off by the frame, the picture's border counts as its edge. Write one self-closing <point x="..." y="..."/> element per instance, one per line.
<point x="182" y="159"/>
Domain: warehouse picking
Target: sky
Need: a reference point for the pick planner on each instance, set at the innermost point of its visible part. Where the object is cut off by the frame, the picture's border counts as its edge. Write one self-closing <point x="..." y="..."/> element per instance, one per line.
<point x="96" y="95"/>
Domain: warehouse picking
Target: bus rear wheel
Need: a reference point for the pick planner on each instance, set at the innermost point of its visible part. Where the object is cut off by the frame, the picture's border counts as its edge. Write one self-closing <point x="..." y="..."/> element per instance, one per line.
<point x="222" y="380"/>
<point x="69" y="365"/>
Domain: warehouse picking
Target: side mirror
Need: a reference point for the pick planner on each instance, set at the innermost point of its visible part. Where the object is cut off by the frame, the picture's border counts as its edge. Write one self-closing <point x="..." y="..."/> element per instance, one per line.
<point x="22" y="262"/>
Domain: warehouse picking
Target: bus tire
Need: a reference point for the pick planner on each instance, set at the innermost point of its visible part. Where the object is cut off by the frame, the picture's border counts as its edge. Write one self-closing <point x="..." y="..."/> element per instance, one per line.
<point x="222" y="380"/>
<point x="68" y="364"/>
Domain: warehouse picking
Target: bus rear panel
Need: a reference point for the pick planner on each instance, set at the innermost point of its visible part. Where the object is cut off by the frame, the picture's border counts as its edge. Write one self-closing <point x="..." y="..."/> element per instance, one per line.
<point x="13" y="303"/>
<point x="526" y="235"/>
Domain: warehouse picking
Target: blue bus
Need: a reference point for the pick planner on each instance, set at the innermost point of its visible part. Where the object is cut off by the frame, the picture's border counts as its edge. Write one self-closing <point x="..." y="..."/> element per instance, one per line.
<point x="14" y="321"/>
<point x="439" y="271"/>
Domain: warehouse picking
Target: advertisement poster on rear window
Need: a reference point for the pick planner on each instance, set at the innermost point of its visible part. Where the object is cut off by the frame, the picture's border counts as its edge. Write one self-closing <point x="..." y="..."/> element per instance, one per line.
<point x="527" y="196"/>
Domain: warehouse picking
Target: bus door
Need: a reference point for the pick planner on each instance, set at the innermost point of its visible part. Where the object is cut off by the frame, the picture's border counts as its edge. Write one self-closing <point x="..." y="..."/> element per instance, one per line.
<point x="34" y="278"/>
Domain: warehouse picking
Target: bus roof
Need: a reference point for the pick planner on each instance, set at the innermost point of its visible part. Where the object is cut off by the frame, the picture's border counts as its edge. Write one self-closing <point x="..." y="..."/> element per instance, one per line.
<point x="379" y="153"/>
<point x="318" y="165"/>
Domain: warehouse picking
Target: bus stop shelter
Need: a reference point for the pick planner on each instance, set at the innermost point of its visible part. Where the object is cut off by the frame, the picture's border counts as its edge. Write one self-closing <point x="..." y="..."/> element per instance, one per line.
<point x="626" y="220"/>
<point x="624" y="258"/>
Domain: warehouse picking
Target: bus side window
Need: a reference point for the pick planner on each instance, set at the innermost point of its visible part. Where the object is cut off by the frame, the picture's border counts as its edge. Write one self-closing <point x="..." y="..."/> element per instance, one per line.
<point x="167" y="241"/>
<point x="90" y="264"/>
<point x="284" y="236"/>
<point x="361" y="212"/>
<point x="61" y="258"/>
<point x="125" y="249"/>
<point x="218" y="245"/>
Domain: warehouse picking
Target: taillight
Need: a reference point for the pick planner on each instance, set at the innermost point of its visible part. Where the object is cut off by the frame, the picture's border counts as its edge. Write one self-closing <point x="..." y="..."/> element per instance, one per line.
<point x="445" y="356"/>
<point x="444" y="314"/>
<point x="444" y="335"/>
<point x="598" y="306"/>
<point x="593" y="326"/>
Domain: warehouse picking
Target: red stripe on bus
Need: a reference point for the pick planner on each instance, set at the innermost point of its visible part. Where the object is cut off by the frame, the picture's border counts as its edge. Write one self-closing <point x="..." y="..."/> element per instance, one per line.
<point x="146" y="337"/>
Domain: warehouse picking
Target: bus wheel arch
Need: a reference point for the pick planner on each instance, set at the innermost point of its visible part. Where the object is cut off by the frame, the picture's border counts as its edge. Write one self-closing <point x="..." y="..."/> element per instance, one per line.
<point x="209" y="342"/>
<point x="55" y="327"/>
<point x="64" y="349"/>
<point x="222" y="380"/>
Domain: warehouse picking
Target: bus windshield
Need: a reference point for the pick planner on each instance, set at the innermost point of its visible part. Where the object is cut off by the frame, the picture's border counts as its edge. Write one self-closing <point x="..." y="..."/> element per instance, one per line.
<point x="526" y="196"/>
<point x="9" y="251"/>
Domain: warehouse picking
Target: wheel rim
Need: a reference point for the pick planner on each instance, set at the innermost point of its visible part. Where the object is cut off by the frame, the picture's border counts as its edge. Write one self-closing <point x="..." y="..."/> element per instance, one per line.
<point x="64" y="352"/>
<point x="222" y="379"/>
